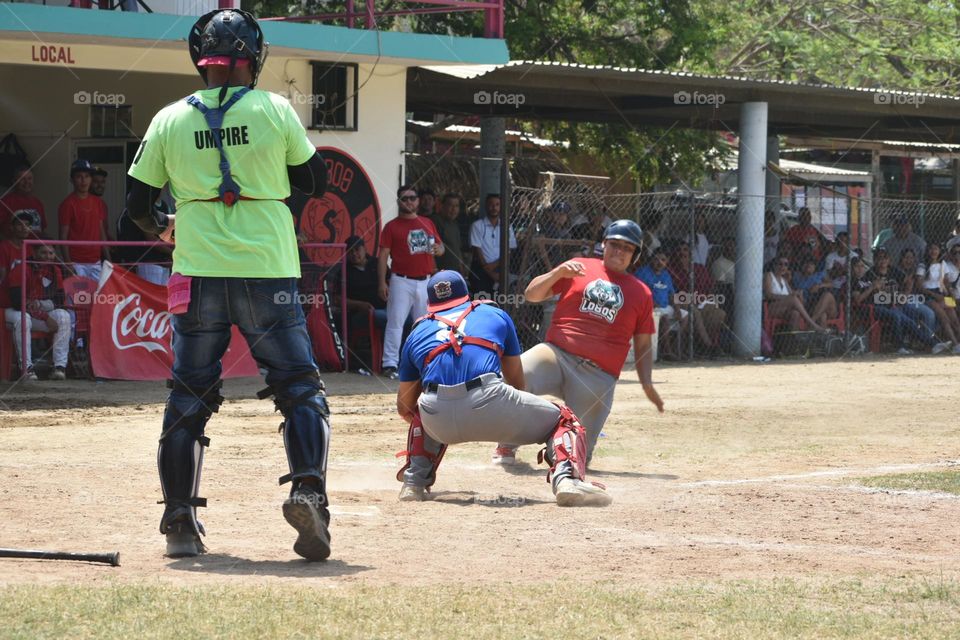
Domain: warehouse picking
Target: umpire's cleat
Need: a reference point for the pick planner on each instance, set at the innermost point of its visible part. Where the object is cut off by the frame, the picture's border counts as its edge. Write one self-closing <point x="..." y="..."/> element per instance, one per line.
<point x="306" y="511"/>
<point x="184" y="545"/>
<point x="576" y="493"/>
<point x="505" y="455"/>
<point x="412" y="493"/>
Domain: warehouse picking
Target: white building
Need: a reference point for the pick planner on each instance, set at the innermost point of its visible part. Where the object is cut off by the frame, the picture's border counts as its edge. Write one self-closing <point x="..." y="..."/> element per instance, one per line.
<point x="86" y="83"/>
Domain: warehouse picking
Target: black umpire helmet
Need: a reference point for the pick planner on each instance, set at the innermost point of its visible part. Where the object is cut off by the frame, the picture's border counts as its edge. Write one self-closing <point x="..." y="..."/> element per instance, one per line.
<point x="628" y="231"/>
<point x="227" y="37"/>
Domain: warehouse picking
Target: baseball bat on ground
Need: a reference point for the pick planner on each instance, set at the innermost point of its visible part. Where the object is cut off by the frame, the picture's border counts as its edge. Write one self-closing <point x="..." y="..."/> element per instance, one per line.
<point x="113" y="559"/>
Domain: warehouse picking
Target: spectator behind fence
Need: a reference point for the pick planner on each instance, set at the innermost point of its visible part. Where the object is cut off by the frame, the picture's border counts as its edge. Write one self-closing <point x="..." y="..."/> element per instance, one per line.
<point x="152" y="263"/>
<point x="554" y="225"/>
<point x="771" y="238"/>
<point x="929" y="274"/>
<point x="835" y="264"/>
<point x="485" y="243"/>
<point x="21" y="200"/>
<point x="803" y="238"/>
<point x="783" y="303"/>
<point x="724" y="267"/>
<point x="724" y="272"/>
<point x="98" y="182"/>
<point x="817" y="290"/>
<point x="668" y="317"/>
<point x="702" y="301"/>
<point x="428" y="202"/>
<point x="883" y="293"/>
<point x="362" y="296"/>
<point x="11" y="248"/>
<point x="83" y="216"/>
<point x="954" y="239"/>
<point x="448" y="227"/>
<point x="590" y="227"/>
<point x="913" y="300"/>
<point x="701" y="244"/>
<point x="650" y="223"/>
<point x="950" y="283"/>
<point x="44" y="296"/>
<point x="903" y="238"/>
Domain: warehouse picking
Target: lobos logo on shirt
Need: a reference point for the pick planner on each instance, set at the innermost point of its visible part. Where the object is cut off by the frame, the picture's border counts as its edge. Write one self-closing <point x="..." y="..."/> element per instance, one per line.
<point x="418" y="242"/>
<point x="602" y="298"/>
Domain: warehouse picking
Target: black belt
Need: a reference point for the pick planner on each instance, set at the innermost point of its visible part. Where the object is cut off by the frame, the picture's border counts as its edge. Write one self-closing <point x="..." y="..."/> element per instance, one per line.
<point x="476" y="383"/>
<point x="411" y="277"/>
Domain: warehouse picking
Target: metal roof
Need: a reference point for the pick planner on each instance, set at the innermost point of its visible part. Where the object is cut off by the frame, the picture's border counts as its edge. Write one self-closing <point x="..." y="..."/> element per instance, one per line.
<point x="645" y="97"/>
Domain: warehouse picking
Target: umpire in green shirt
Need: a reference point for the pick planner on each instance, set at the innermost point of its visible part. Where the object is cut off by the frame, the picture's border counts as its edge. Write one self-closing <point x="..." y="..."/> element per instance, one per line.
<point x="230" y="154"/>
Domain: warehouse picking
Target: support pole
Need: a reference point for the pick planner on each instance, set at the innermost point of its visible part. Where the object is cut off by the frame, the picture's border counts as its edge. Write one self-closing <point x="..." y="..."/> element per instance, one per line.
<point x="751" y="179"/>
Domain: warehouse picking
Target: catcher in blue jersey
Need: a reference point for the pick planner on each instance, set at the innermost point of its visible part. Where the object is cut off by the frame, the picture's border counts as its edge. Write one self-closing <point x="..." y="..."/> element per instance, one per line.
<point x="461" y="381"/>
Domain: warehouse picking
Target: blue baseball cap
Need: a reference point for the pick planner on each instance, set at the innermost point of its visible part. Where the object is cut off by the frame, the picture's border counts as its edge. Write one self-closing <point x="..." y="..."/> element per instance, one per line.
<point x="446" y="289"/>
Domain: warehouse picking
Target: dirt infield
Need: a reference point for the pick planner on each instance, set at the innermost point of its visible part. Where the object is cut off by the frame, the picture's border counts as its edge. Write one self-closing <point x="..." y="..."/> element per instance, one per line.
<point x="751" y="473"/>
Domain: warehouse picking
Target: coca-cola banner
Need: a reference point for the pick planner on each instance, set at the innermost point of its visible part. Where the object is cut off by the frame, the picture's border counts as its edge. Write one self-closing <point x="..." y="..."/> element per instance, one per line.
<point x="130" y="331"/>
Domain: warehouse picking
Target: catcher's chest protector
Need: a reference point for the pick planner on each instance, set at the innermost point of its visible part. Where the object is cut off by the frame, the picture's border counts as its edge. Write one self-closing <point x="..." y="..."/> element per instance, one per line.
<point x="455" y="339"/>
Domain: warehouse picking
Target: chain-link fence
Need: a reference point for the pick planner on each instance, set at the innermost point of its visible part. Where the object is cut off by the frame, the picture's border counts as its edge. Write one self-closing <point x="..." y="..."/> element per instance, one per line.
<point x="698" y="243"/>
<point x="795" y="247"/>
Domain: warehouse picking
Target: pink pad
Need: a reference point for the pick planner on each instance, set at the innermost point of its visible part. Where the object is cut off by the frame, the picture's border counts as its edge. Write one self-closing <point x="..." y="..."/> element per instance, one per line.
<point x="178" y="293"/>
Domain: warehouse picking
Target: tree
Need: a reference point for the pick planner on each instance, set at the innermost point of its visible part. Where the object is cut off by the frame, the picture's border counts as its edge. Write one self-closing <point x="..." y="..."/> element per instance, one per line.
<point x="651" y="35"/>
<point x="895" y="44"/>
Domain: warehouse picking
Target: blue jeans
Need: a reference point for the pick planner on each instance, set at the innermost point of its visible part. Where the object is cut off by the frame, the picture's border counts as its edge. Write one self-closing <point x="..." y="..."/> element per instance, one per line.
<point x="272" y="322"/>
<point x="924" y="316"/>
<point x="266" y="312"/>
<point x="902" y="325"/>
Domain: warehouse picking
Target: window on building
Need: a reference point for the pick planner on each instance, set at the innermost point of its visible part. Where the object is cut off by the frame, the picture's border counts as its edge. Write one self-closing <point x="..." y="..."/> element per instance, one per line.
<point x="111" y="121"/>
<point x="334" y="103"/>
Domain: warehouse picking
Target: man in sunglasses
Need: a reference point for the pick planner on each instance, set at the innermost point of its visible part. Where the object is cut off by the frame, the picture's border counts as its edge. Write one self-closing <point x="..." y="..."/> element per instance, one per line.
<point x="410" y="243"/>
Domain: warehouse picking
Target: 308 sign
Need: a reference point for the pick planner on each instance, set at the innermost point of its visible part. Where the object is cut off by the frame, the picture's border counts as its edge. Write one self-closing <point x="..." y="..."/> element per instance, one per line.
<point x="349" y="207"/>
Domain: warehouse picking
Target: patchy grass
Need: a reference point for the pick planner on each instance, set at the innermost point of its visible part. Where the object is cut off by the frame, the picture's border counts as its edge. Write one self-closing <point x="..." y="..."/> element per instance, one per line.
<point x="852" y="608"/>
<point x="942" y="481"/>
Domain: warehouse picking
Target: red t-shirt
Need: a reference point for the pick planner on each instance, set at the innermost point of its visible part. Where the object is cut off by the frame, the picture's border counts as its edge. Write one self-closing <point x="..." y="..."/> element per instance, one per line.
<point x="9" y="258"/>
<point x="15" y="202"/>
<point x="85" y="217"/>
<point x="598" y="313"/>
<point x="799" y="236"/>
<point x="408" y="242"/>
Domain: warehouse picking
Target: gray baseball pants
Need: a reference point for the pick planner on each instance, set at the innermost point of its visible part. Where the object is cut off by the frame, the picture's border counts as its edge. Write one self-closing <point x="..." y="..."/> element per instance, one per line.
<point x="492" y="412"/>
<point x="583" y="386"/>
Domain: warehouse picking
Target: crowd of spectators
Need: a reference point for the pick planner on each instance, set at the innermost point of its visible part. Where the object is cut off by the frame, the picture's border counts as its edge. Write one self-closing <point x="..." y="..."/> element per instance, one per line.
<point x="907" y="285"/>
<point x="81" y="216"/>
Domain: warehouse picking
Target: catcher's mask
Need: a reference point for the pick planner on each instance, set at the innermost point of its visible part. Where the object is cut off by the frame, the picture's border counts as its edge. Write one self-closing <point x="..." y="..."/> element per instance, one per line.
<point x="228" y="37"/>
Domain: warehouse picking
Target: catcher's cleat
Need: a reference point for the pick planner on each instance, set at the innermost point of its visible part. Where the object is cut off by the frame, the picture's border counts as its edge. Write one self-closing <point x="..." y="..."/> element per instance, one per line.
<point x="577" y="493"/>
<point x="184" y="544"/>
<point x="505" y="455"/>
<point x="412" y="493"/>
<point x="306" y="511"/>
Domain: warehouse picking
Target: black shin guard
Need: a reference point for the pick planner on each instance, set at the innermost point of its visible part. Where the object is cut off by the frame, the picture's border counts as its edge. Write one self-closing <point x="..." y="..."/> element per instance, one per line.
<point x="306" y="428"/>
<point x="180" y="459"/>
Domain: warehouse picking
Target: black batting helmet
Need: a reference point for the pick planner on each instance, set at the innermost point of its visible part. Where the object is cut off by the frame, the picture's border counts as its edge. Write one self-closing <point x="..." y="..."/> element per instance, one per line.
<point x="228" y="37"/>
<point x="628" y="231"/>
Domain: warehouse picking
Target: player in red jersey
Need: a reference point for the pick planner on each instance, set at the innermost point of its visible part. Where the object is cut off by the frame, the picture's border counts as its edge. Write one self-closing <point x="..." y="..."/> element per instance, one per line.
<point x="601" y="307"/>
